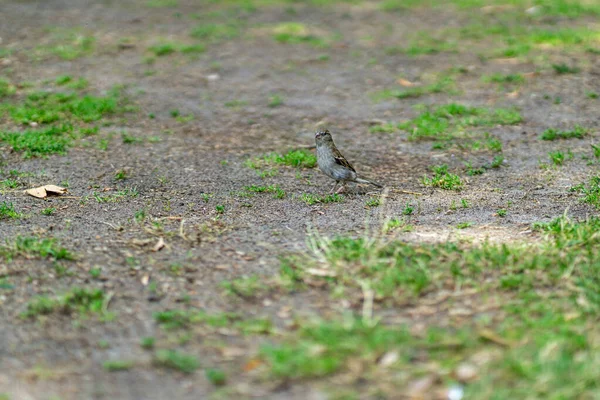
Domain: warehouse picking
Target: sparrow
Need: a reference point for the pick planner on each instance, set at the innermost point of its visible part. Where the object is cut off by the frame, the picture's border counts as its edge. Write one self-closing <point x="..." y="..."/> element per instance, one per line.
<point x="334" y="164"/>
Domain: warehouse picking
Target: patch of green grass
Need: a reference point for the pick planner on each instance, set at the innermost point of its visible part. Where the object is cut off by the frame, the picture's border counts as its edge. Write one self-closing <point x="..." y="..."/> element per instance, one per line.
<point x="7" y="210"/>
<point x="78" y="300"/>
<point x="423" y="43"/>
<point x="216" y="376"/>
<point x="592" y="95"/>
<point x="48" y="211"/>
<point x="408" y="209"/>
<point x="120" y="175"/>
<point x="591" y="192"/>
<point x="220" y="209"/>
<point x="163" y="49"/>
<point x="6" y="88"/>
<point x="311" y="199"/>
<point x="278" y="193"/>
<point x="295" y="32"/>
<point x="464" y="225"/>
<point x="497" y="161"/>
<point x="167" y="48"/>
<point x="117" y="365"/>
<point x="115" y="197"/>
<point x="244" y="287"/>
<point x="235" y="103"/>
<point x="9" y="183"/>
<point x="373" y="202"/>
<point x="70" y="47"/>
<point x="445" y="84"/>
<point x="443" y="179"/>
<point x="557" y="157"/>
<point x="322" y="348"/>
<point x="275" y="101"/>
<point x="161" y="3"/>
<point x="39" y="142"/>
<point x="175" y="359"/>
<point x="383" y="128"/>
<point x="578" y="132"/>
<point x="472" y="171"/>
<point x="67" y="80"/>
<point x="564" y="69"/>
<point x="397" y="224"/>
<point x="130" y="139"/>
<point x="147" y="342"/>
<point x="445" y="121"/>
<point x="49" y="107"/>
<point x="32" y="247"/>
<point x="510" y="79"/>
<point x="293" y="158"/>
<point x="213" y="32"/>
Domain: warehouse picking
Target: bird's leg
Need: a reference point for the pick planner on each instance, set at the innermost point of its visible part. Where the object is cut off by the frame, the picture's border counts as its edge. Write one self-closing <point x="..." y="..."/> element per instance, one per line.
<point x="334" y="186"/>
<point x="342" y="188"/>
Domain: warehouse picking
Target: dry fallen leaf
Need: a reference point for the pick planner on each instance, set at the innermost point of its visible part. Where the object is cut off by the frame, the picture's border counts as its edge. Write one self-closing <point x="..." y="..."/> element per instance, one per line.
<point x="404" y="82"/>
<point x="43" y="191"/>
<point x="159" y="245"/>
<point x="145" y="280"/>
<point x="252" y="364"/>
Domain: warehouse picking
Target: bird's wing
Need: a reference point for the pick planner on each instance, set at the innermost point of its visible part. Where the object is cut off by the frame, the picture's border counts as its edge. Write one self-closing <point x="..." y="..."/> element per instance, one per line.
<point x="341" y="160"/>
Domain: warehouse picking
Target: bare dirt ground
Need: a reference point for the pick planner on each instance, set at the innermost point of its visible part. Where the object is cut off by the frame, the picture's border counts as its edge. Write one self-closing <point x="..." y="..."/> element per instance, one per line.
<point x="190" y="176"/>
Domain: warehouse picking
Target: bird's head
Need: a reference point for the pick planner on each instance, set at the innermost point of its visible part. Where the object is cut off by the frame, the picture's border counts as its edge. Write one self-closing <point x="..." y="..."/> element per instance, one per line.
<point x="322" y="136"/>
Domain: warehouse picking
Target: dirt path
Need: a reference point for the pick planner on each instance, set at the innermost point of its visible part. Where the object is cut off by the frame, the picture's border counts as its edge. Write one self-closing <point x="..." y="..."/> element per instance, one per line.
<point x="199" y="115"/>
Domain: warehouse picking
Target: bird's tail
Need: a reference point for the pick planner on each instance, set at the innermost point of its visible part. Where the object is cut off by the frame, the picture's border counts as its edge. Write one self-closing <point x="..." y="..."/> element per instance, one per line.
<point x="363" y="180"/>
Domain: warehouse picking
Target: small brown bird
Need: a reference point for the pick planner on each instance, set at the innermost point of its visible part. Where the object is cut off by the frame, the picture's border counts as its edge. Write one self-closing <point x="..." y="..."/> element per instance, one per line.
<point x="334" y="164"/>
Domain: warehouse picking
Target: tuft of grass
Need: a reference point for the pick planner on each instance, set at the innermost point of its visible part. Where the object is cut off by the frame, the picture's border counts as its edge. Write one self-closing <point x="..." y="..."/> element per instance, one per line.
<point x="7" y="210"/>
<point x="216" y="376"/>
<point x="508" y="79"/>
<point x="48" y="211"/>
<point x="311" y="199"/>
<point x="445" y="84"/>
<point x="9" y="183"/>
<point x="472" y="171"/>
<point x="578" y="132"/>
<point x="117" y="365"/>
<point x="443" y="179"/>
<point x="591" y="192"/>
<point x="464" y="225"/>
<point x="6" y="88"/>
<point x="244" y="287"/>
<point x="373" y="202"/>
<point x="147" y="342"/>
<point x="71" y="47"/>
<point x="47" y="107"/>
<point x="564" y="69"/>
<point x="444" y="121"/>
<point x="408" y="209"/>
<point x="324" y="347"/>
<point x="275" y="101"/>
<point x="30" y="247"/>
<point x="175" y="359"/>
<point x="278" y="193"/>
<point x="115" y="197"/>
<point x="163" y="49"/>
<point x="383" y="128"/>
<point x="120" y="175"/>
<point x="38" y="143"/>
<point x="294" y="158"/>
<point x="295" y="32"/>
<point x="557" y="157"/>
<point x="161" y="3"/>
<point x="212" y="32"/>
<point x="77" y="300"/>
